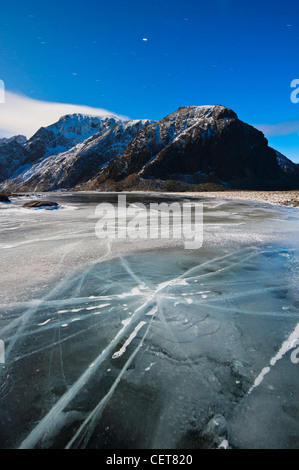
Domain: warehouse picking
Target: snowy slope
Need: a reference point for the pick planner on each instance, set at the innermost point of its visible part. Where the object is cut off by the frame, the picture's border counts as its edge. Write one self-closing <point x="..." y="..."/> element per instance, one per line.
<point x="64" y="134"/>
<point x="58" y="169"/>
<point x="12" y="155"/>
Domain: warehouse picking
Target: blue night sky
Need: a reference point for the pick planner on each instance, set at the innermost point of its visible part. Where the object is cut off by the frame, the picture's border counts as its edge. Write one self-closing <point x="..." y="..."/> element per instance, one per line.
<point x="242" y="54"/>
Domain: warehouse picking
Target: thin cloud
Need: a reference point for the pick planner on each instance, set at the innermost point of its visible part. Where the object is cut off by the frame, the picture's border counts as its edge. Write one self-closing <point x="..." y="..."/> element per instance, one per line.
<point x="280" y="129"/>
<point x="23" y="115"/>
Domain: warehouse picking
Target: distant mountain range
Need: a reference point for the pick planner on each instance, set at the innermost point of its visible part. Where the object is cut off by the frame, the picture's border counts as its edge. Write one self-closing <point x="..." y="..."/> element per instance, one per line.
<point x="194" y="148"/>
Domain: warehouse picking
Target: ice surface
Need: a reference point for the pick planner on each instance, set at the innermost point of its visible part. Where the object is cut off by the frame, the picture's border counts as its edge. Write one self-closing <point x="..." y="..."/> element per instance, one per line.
<point x="138" y="344"/>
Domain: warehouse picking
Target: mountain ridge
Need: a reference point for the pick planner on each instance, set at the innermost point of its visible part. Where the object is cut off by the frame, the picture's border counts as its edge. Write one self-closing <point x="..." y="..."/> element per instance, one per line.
<point x="193" y="146"/>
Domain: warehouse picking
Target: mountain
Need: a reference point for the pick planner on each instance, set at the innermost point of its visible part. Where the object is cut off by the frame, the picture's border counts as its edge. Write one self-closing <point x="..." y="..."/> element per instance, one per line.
<point x="17" y="154"/>
<point x="207" y="146"/>
<point x="69" y="131"/>
<point x="286" y="165"/>
<point x="67" y="169"/>
<point x="12" y="155"/>
<point x="196" y="147"/>
<point x="21" y="139"/>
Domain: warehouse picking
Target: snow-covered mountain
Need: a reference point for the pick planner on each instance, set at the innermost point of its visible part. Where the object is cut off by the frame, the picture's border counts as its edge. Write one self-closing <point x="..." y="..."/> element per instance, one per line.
<point x="12" y="155"/>
<point x="18" y="155"/>
<point x="64" y="134"/>
<point x="21" y="139"/>
<point x="81" y="162"/>
<point x="195" y="145"/>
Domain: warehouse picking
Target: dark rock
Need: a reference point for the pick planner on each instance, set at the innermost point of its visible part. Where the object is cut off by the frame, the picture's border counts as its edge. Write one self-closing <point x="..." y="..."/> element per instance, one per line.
<point x="216" y="431"/>
<point x="40" y="204"/>
<point x="4" y="198"/>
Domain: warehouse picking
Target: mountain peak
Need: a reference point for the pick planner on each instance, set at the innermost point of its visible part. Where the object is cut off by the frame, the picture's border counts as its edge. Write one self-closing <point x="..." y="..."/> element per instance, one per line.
<point x="217" y="110"/>
<point x="20" y="139"/>
<point x="79" y="117"/>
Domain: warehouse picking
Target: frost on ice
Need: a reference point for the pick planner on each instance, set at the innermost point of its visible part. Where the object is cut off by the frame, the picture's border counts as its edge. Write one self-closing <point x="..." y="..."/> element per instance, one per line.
<point x="140" y="344"/>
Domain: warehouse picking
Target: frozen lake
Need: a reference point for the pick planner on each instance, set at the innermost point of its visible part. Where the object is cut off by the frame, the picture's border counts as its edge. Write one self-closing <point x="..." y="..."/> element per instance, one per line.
<point x="139" y="343"/>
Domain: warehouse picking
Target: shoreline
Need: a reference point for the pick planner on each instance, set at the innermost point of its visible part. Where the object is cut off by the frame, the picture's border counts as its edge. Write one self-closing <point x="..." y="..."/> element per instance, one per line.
<point x="280" y="198"/>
